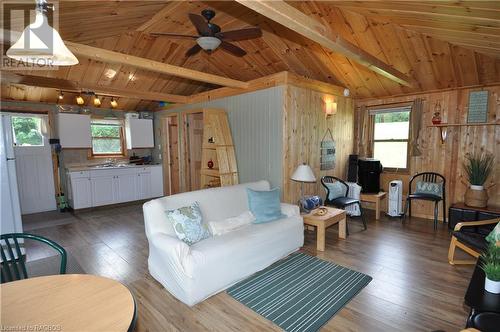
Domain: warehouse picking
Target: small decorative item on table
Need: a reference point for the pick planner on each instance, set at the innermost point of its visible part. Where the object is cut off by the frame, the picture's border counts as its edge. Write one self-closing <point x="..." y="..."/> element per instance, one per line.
<point x="321" y="211"/>
<point x="210" y="164"/>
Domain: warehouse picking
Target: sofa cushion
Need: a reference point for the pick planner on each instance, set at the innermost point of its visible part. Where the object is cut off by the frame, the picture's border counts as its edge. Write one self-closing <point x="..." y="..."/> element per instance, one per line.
<point x="230" y="224"/>
<point x="215" y="204"/>
<point x="187" y="223"/>
<point x="265" y="205"/>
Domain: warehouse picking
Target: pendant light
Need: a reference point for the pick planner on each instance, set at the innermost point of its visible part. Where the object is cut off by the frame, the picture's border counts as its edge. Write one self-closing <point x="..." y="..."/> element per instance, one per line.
<point x="34" y="45"/>
<point x="114" y="103"/>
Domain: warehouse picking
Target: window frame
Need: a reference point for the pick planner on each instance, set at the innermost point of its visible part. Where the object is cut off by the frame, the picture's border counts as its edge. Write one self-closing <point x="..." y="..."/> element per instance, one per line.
<point x="406" y="169"/>
<point x="123" y="149"/>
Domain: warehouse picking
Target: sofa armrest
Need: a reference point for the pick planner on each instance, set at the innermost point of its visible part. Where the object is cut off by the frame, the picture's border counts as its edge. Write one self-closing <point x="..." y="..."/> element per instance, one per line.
<point x="475" y="223"/>
<point x="174" y="251"/>
<point x="290" y="210"/>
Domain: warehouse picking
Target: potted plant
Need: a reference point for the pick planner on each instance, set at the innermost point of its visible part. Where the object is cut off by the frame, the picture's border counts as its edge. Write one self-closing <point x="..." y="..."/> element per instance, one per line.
<point x="478" y="167"/>
<point x="491" y="267"/>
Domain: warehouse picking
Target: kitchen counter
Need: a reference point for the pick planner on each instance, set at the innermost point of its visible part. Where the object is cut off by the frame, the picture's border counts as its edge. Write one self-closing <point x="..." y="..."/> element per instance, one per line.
<point x="100" y="167"/>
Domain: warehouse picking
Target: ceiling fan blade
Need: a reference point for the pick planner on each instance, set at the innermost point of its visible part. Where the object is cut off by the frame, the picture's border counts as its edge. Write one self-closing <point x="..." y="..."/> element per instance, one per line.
<point x="174" y="35"/>
<point x="233" y="49"/>
<point x="200" y="24"/>
<point x="240" y="34"/>
<point x="193" y="50"/>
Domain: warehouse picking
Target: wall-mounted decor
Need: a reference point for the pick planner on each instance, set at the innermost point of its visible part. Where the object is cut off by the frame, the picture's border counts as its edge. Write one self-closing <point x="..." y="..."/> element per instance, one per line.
<point x="327" y="151"/>
<point x="478" y="107"/>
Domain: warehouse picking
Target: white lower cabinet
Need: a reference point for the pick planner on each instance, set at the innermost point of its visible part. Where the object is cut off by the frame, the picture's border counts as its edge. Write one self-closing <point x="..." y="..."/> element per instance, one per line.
<point x="111" y="186"/>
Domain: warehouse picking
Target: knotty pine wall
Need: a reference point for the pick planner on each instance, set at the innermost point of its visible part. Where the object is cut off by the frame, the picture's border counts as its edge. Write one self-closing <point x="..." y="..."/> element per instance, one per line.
<point x="304" y="125"/>
<point x="447" y="158"/>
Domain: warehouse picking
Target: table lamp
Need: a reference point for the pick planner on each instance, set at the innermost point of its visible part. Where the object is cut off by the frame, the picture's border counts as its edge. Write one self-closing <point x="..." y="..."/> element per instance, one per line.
<point x="302" y="174"/>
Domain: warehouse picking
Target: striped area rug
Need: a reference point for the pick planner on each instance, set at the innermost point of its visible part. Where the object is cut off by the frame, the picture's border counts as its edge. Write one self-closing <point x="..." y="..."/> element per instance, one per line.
<point x="301" y="292"/>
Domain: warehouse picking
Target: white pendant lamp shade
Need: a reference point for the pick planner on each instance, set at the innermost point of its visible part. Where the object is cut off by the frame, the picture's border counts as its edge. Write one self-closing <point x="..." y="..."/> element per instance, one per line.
<point x="303" y="173"/>
<point x="34" y="45"/>
<point x="208" y="43"/>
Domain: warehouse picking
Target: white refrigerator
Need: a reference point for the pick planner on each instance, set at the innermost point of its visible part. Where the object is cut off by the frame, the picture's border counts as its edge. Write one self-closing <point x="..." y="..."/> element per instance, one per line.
<point x="10" y="209"/>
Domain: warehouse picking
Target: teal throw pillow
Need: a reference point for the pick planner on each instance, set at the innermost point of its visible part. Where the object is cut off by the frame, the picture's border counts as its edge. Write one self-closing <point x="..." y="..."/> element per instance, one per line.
<point x="494" y="236"/>
<point x="431" y="188"/>
<point x="337" y="189"/>
<point x="265" y="205"/>
<point x="187" y="223"/>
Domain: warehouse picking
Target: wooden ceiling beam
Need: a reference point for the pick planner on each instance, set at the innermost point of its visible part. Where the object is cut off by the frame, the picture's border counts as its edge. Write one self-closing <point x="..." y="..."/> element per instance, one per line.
<point x="100" y="54"/>
<point x="286" y="15"/>
<point x="72" y="86"/>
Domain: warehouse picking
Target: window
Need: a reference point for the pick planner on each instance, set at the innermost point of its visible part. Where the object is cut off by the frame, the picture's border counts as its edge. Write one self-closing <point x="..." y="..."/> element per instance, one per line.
<point x="27" y="131"/>
<point x="107" y="137"/>
<point x="391" y="128"/>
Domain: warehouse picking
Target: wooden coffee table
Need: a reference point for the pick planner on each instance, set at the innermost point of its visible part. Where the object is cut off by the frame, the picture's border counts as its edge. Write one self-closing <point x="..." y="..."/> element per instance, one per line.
<point x="333" y="216"/>
<point x="67" y="302"/>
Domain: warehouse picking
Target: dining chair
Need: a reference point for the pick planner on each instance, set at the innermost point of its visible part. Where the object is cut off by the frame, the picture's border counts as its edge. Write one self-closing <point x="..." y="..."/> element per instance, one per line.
<point x="340" y="200"/>
<point x="429" y="186"/>
<point x="13" y="255"/>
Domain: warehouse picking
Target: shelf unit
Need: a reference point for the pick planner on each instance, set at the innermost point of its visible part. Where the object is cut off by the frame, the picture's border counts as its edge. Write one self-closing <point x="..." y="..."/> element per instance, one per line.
<point x="443" y="127"/>
<point x="218" y="147"/>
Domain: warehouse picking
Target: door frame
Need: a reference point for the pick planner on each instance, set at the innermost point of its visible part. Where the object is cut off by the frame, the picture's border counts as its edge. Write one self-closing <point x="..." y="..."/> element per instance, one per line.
<point x="185" y="143"/>
<point x="165" y="141"/>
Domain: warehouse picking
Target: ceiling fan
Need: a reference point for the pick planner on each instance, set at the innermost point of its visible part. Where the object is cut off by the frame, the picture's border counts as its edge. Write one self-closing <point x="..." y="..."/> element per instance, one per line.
<point x="210" y="36"/>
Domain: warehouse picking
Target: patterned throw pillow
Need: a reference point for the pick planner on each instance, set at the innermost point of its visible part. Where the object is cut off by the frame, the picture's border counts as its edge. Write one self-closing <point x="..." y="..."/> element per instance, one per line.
<point x="431" y="188"/>
<point x="187" y="223"/>
<point x="494" y="236"/>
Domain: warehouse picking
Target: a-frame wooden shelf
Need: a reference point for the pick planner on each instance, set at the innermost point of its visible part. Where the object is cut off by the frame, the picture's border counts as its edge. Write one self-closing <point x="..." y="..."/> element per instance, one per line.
<point x="217" y="147"/>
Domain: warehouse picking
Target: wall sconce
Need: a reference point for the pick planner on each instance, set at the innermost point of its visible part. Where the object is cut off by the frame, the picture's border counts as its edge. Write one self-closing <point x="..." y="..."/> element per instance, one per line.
<point x="330" y="106"/>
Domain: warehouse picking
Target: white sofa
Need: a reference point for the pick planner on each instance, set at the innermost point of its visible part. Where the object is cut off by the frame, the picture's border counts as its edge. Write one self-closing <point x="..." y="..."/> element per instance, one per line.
<point x="193" y="273"/>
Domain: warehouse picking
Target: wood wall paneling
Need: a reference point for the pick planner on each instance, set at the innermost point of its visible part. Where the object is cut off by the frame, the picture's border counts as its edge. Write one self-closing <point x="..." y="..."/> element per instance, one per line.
<point x="447" y="158"/>
<point x="304" y="125"/>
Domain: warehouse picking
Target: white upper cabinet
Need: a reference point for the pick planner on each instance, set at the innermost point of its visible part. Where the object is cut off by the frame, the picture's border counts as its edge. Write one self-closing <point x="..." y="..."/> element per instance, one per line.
<point x="74" y="130"/>
<point x="139" y="133"/>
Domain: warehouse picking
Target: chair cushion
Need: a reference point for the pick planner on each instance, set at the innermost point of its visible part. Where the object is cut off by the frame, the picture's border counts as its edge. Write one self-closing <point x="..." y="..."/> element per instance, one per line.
<point x="430" y="188"/>
<point x="486" y="321"/>
<point x="475" y="240"/>
<point x="343" y="201"/>
<point x="428" y="197"/>
<point x="335" y="190"/>
<point x="187" y="223"/>
<point x="265" y="205"/>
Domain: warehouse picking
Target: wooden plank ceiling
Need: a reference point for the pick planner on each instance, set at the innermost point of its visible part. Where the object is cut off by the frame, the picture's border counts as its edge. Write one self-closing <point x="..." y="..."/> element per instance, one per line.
<point x="441" y="45"/>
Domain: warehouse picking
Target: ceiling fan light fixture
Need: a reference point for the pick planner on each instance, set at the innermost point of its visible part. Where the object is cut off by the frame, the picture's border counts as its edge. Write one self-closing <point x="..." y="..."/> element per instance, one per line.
<point x="30" y="48"/>
<point x="208" y="43"/>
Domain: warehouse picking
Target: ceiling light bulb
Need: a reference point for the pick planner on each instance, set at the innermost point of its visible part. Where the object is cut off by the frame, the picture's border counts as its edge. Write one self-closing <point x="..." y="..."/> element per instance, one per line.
<point x="79" y="100"/>
<point x="208" y="43"/>
<point x="40" y="43"/>
<point x="97" y="101"/>
<point x="61" y="96"/>
<point x="114" y="103"/>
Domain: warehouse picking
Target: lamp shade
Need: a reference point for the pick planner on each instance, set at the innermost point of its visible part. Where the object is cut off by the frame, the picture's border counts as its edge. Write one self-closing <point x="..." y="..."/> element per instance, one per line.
<point x="303" y="173"/>
<point x="208" y="43"/>
<point x="31" y="48"/>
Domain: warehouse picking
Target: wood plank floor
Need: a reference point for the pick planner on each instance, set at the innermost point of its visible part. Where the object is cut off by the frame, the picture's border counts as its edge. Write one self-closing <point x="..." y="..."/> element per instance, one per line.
<point x="413" y="288"/>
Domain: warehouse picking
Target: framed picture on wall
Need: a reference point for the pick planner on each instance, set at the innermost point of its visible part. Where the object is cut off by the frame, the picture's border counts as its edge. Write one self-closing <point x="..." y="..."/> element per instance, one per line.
<point x="327" y="149"/>
<point x="478" y="107"/>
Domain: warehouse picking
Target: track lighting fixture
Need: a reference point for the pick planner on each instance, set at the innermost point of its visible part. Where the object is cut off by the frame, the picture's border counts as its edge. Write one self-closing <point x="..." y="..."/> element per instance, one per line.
<point x="114" y="103"/>
<point x="97" y="101"/>
<point x="61" y="96"/>
<point x="79" y="100"/>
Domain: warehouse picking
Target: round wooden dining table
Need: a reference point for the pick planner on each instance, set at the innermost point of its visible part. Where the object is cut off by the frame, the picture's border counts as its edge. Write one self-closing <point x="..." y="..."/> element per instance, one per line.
<point x="66" y="302"/>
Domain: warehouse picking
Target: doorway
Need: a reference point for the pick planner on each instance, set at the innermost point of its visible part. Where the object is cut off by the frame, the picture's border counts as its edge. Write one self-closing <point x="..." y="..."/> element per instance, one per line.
<point x="171" y="166"/>
<point x="193" y="142"/>
<point x="33" y="158"/>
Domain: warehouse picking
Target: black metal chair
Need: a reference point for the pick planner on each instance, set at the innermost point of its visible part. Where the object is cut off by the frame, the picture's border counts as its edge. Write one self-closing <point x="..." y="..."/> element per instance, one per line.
<point x="341" y="202"/>
<point x="430" y="177"/>
<point x="13" y="266"/>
